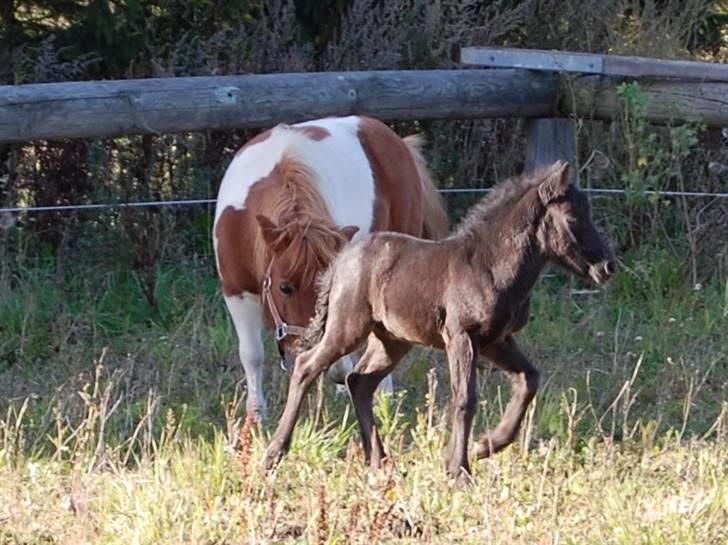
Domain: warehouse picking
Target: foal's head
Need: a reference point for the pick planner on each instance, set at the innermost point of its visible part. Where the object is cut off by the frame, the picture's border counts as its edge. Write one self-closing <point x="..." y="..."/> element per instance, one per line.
<point x="298" y="251"/>
<point x="567" y="232"/>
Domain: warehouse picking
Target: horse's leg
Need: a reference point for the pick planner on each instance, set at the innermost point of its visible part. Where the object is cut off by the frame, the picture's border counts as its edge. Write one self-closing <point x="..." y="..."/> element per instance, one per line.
<point x="524" y="382"/>
<point x="337" y="373"/>
<point x="462" y="360"/>
<point x="378" y="360"/>
<point x="247" y="315"/>
<point x="387" y="385"/>
<point x="342" y="367"/>
<point x="341" y="337"/>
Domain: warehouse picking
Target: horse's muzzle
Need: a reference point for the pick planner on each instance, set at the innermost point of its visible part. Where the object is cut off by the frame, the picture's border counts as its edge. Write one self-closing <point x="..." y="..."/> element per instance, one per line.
<point x="602" y="271"/>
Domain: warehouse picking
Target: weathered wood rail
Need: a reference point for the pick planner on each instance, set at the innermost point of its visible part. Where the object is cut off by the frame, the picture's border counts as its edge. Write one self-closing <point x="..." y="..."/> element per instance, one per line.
<point x="669" y="101"/>
<point x="545" y="85"/>
<point x="677" y="90"/>
<point x="163" y="105"/>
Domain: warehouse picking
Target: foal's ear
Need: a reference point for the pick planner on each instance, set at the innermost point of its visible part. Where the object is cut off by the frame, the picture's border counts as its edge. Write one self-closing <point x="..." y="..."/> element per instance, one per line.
<point x="271" y="233"/>
<point x="556" y="183"/>
<point x="349" y="231"/>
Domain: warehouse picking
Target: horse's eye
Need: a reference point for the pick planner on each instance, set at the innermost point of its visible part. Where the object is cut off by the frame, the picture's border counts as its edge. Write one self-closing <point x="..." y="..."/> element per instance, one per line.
<point x="286" y="289"/>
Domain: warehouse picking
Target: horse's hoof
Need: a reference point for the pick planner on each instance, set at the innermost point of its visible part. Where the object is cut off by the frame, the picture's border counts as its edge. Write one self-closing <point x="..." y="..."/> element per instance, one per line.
<point x="256" y="413"/>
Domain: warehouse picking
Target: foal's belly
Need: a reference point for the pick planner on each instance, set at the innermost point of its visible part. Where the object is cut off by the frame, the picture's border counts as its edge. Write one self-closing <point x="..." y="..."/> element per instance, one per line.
<point x="405" y="288"/>
<point x="412" y="320"/>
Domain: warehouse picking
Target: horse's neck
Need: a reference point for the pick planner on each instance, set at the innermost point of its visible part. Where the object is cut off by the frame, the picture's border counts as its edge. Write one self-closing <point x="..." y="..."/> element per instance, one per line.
<point x="513" y="253"/>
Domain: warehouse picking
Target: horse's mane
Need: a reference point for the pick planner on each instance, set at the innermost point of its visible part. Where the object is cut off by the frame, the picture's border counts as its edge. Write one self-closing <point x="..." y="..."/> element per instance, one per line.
<point x="304" y="222"/>
<point x="502" y="197"/>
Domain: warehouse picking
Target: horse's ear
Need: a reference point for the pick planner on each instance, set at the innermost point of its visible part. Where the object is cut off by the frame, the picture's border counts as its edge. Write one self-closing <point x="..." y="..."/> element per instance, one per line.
<point x="556" y="183"/>
<point x="349" y="231"/>
<point x="270" y="232"/>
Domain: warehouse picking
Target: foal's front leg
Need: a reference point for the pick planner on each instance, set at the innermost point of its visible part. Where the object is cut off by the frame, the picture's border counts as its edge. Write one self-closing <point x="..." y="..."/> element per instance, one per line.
<point x="309" y="365"/>
<point x="461" y="359"/>
<point x="524" y="383"/>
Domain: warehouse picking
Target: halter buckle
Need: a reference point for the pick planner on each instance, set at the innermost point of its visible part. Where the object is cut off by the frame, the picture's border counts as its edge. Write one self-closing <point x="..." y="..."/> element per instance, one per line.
<point x="281" y="331"/>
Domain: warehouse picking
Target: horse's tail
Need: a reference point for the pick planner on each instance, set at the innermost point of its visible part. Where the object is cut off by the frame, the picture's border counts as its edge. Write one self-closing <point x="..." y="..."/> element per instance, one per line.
<point x="316" y="327"/>
<point x="434" y="217"/>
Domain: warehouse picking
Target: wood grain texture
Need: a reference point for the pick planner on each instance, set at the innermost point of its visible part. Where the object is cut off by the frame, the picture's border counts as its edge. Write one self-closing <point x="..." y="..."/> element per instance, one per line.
<point x="548" y="140"/>
<point x="669" y="101"/>
<point x="594" y="63"/>
<point x="164" y="105"/>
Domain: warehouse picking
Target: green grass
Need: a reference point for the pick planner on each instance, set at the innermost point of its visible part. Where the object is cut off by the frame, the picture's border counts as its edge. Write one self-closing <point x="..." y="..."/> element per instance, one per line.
<point x="124" y="423"/>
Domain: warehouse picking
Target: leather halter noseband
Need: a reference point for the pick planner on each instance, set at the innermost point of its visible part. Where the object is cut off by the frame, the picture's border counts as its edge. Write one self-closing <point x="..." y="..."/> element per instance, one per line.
<point x="282" y="328"/>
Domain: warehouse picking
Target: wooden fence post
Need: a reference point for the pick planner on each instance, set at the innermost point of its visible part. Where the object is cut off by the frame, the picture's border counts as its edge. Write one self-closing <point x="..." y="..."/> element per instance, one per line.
<point x="548" y="140"/>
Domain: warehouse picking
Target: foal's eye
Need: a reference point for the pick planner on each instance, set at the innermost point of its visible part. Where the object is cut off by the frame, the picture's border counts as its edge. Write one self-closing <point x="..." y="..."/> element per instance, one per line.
<point x="286" y="289"/>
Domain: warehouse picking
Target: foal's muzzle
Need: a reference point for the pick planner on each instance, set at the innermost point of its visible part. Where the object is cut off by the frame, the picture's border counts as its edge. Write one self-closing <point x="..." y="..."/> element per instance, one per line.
<point x="602" y="271"/>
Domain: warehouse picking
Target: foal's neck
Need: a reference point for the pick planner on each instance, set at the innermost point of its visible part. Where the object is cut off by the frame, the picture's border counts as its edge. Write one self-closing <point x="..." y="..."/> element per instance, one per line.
<point x="510" y="247"/>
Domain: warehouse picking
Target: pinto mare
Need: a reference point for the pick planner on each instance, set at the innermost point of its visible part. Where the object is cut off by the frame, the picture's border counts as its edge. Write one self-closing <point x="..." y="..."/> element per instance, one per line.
<point x="289" y="201"/>
<point x="467" y="295"/>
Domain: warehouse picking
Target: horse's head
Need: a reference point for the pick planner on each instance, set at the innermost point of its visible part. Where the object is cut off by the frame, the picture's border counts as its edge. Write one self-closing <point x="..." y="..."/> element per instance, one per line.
<point x="567" y="232"/>
<point x="298" y="251"/>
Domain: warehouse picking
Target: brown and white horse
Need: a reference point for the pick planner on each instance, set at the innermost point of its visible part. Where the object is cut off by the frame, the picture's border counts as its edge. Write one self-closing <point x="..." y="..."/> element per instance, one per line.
<point x="291" y="198"/>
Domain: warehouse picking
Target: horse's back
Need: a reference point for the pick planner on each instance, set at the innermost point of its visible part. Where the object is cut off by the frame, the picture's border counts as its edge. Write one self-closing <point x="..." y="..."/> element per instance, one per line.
<point x="366" y="175"/>
<point x="330" y="152"/>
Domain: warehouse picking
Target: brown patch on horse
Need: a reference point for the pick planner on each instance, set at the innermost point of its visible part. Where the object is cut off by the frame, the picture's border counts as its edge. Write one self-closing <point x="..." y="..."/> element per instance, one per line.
<point x="255" y="140"/>
<point x="314" y="132"/>
<point x="435" y="223"/>
<point x="234" y="251"/>
<point x="396" y="163"/>
<point x="305" y="237"/>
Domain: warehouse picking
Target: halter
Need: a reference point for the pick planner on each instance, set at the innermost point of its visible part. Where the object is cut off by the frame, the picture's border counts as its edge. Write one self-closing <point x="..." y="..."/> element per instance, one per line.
<point x="282" y="328"/>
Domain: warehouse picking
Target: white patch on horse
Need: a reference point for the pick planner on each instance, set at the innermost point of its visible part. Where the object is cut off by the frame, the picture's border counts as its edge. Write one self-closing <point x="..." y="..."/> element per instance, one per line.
<point x="338" y="163"/>
<point x="343" y="176"/>
<point x="249" y="166"/>
<point x="247" y="315"/>
<point x="341" y="171"/>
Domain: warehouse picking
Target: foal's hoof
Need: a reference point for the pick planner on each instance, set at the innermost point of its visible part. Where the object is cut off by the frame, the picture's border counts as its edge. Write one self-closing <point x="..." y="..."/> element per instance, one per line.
<point x="483" y="449"/>
<point x="461" y="476"/>
<point x="464" y="480"/>
<point x="272" y="457"/>
<point x="486" y="447"/>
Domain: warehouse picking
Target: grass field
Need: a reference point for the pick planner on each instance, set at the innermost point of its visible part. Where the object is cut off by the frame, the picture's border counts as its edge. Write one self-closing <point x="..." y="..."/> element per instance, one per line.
<point x="124" y="423"/>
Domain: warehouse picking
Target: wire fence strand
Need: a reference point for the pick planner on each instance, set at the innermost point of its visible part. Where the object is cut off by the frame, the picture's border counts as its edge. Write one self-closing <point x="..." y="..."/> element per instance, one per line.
<point x="192" y="202"/>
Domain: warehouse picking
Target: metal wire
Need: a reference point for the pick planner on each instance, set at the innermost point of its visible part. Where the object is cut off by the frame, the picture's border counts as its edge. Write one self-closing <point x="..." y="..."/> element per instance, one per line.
<point x="97" y="206"/>
<point x="189" y="202"/>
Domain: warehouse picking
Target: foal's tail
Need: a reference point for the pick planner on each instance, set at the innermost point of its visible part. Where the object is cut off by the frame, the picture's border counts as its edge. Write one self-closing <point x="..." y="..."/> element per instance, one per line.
<point x="316" y="327"/>
<point x="434" y="216"/>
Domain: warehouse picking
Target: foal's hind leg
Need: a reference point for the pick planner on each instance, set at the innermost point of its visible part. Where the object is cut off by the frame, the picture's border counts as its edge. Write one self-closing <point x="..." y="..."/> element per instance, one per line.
<point x="524" y="382"/>
<point x="461" y="358"/>
<point x="380" y="358"/>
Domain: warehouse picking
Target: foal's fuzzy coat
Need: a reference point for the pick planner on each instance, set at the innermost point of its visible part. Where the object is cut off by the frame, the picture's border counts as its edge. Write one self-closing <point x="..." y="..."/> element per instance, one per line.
<point x="467" y="295"/>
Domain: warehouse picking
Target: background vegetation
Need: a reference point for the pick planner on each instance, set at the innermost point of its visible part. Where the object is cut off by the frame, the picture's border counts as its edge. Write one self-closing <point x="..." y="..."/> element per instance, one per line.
<point x="121" y="397"/>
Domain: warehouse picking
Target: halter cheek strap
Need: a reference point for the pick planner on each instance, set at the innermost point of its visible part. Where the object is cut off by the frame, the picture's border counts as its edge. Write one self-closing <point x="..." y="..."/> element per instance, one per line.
<point x="282" y="328"/>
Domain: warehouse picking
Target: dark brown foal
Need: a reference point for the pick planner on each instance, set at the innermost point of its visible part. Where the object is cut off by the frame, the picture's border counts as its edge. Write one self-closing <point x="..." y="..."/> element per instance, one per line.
<point x="467" y="295"/>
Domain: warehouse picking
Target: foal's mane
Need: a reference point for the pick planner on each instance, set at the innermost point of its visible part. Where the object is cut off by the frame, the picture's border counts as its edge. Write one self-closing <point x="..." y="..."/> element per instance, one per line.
<point x="304" y="222"/>
<point x="502" y="197"/>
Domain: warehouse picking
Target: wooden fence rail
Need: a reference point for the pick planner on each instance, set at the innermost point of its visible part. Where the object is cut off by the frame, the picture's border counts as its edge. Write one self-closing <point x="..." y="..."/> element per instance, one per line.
<point x="676" y="90"/>
<point x="164" y="105"/>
